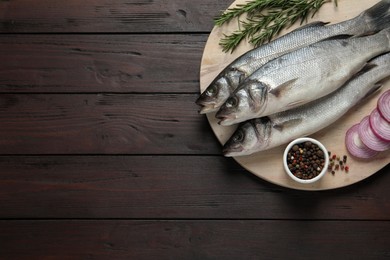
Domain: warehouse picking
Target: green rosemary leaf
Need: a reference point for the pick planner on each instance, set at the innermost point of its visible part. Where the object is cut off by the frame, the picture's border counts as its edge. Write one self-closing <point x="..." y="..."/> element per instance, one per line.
<point x="265" y="19"/>
<point x="250" y="8"/>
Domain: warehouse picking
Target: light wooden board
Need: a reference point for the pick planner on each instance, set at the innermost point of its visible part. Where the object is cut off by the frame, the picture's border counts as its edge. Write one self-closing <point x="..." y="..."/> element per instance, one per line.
<point x="268" y="164"/>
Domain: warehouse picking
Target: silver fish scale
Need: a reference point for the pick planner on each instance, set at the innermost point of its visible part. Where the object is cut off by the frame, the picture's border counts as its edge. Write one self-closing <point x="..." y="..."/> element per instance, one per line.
<point x="314" y="116"/>
<point x="304" y="36"/>
<point x="371" y="20"/>
<point x="267" y="132"/>
<point x="304" y="75"/>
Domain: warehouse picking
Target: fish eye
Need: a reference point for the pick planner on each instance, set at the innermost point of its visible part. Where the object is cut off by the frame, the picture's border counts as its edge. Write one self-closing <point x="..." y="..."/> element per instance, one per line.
<point x="211" y="91"/>
<point x="231" y="102"/>
<point x="238" y="137"/>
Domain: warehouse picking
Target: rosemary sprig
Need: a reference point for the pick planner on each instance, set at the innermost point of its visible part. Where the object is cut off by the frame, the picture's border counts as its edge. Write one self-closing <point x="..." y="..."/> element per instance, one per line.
<point x="249" y="8"/>
<point x="265" y="19"/>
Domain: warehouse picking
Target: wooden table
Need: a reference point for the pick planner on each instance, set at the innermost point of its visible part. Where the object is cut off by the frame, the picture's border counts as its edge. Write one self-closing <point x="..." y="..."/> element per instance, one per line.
<point x="104" y="156"/>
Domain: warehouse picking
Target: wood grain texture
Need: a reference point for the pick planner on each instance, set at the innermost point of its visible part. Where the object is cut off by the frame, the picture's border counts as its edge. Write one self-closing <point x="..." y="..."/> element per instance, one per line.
<point x="103" y="123"/>
<point x="194" y="239"/>
<point x="108" y="16"/>
<point x="170" y="187"/>
<point x="100" y="63"/>
<point x="104" y="156"/>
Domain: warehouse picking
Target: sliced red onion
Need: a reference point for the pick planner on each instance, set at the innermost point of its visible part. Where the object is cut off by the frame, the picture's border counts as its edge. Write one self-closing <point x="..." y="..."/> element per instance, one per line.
<point x="368" y="137"/>
<point x="355" y="146"/>
<point x="379" y="125"/>
<point x="384" y="105"/>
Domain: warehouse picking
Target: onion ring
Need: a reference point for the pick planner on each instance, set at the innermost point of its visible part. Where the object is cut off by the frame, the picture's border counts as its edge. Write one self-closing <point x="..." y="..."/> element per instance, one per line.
<point x="355" y="146"/>
<point x="368" y="137"/>
<point x="383" y="105"/>
<point x="379" y="125"/>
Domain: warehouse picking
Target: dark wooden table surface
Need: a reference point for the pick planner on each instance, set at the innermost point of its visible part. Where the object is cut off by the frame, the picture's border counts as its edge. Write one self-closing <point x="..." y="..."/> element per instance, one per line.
<point x="104" y="156"/>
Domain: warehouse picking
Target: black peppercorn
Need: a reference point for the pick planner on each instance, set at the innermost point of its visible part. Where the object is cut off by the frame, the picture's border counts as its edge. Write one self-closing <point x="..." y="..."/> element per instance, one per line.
<point x="305" y="160"/>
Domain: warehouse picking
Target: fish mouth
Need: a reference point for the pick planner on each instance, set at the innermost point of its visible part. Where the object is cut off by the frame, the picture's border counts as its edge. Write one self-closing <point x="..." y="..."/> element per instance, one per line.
<point x="224" y="119"/>
<point x="230" y="152"/>
<point x="206" y="106"/>
<point x="205" y="109"/>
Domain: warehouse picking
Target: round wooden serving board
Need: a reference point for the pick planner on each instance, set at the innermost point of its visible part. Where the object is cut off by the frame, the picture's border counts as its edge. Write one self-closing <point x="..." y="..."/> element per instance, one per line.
<point x="268" y="164"/>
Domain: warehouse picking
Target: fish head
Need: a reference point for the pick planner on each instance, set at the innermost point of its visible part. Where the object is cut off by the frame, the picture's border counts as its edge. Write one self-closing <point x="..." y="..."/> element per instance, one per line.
<point x="219" y="90"/>
<point x="251" y="136"/>
<point x="245" y="103"/>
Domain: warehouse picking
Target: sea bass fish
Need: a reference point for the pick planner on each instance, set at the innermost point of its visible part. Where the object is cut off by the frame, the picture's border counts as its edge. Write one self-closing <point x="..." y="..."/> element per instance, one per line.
<point x="280" y="128"/>
<point x="370" y="21"/>
<point x="301" y="76"/>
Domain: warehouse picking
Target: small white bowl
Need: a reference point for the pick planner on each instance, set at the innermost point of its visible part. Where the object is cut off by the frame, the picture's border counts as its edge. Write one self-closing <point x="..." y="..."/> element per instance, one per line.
<point x="302" y="140"/>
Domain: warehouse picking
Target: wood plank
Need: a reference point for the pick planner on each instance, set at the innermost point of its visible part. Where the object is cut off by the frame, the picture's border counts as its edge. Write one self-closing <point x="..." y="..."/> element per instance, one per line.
<point x="194" y="240"/>
<point x="100" y="63"/>
<point x="161" y="187"/>
<point x="102" y="123"/>
<point x="108" y="16"/>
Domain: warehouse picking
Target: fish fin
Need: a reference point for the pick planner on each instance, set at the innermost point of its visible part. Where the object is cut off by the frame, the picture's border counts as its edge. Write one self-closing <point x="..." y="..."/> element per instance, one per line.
<point x="366" y="68"/>
<point x="338" y="37"/>
<point x="289" y="123"/>
<point x="369" y="66"/>
<point x="282" y="88"/>
<point x="313" y="24"/>
<point x="375" y="88"/>
<point x="295" y="103"/>
<point x="382" y="54"/>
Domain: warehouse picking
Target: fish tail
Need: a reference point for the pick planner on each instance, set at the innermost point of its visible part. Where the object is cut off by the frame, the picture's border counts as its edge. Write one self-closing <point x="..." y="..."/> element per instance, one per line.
<point x="377" y="17"/>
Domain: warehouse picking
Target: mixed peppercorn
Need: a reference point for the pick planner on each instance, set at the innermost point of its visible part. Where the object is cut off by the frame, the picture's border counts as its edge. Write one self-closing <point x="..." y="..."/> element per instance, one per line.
<point x="305" y="160"/>
<point x="337" y="163"/>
